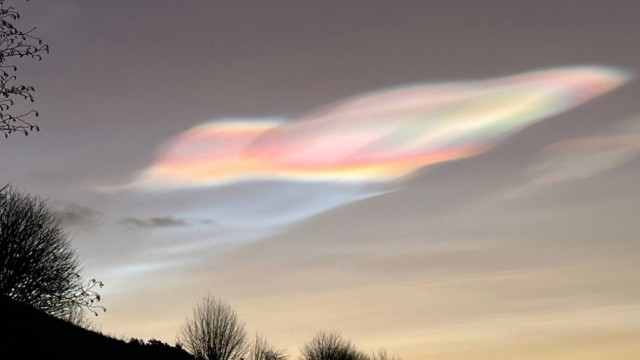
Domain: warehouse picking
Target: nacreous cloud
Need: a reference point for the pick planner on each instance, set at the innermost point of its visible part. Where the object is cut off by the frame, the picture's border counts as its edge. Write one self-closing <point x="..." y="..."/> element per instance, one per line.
<point x="583" y="157"/>
<point x="254" y="178"/>
<point x="377" y="137"/>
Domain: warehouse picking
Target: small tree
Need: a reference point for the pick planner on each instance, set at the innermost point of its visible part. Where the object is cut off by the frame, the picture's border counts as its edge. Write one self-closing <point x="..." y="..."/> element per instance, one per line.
<point x="330" y="346"/>
<point x="262" y="350"/>
<point x="15" y="43"/>
<point x="38" y="267"/>
<point x="214" y="331"/>
<point x="383" y="355"/>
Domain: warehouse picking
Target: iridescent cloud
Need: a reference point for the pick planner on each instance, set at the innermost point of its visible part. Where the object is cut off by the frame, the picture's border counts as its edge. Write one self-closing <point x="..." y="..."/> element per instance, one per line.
<point x="583" y="157"/>
<point x="256" y="177"/>
<point x="376" y="137"/>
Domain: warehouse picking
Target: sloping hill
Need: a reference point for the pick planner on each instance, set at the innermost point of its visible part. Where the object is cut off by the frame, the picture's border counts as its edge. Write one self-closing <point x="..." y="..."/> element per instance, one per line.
<point x="31" y="334"/>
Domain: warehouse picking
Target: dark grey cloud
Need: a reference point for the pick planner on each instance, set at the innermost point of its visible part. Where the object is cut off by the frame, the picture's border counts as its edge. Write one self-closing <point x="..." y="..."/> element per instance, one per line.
<point x="74" y="215"/>
<point x="206" y="222"/>
<point x="163" y="222"/>
<point x="154" y="222"/>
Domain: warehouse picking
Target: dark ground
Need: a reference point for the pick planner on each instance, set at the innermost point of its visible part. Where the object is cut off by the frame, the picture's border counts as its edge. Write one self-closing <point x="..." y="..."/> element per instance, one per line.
<point x="30" y="334"/>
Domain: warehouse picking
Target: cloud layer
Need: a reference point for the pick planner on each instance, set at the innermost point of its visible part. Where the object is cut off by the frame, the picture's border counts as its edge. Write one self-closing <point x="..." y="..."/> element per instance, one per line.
<point x="74" y="215"/>
<point x="583" y="157"/>
<point x="153" y="222"/>
<point x="376" y="137"/>
<point x="254" y="178"/>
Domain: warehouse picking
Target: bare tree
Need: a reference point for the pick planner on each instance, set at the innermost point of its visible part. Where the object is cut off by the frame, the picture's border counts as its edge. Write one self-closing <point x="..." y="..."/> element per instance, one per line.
<point x="330" y="346"/>
<point x="214" y="331"/>
<point x="15" y="44"/>
<point x="383" y="355"/>
<point x="80" y="317"/>
<point x="38" y="267"/>
<point x="262" y="350"/>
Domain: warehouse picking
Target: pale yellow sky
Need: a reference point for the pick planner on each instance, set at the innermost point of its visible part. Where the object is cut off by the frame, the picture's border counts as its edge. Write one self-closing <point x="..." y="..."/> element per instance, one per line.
<point x="530" y="284"/>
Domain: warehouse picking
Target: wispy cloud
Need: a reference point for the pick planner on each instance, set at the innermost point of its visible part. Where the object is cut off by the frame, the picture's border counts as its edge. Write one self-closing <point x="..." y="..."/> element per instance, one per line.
<point x="257" y="176"/>
<point x="74" y="215"/>
<point x="377" y="137"/>
<point x="583" y="157"/>
<point x="154" y="222"/>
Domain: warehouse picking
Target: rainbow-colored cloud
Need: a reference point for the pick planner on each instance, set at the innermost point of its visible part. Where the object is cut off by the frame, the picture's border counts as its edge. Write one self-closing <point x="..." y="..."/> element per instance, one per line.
<point x="376" y="137"/>
<point x="583" y="157"/>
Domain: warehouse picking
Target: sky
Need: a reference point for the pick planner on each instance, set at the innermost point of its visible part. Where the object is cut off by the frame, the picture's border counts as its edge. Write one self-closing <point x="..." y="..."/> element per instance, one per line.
<point x="444" y="179"/>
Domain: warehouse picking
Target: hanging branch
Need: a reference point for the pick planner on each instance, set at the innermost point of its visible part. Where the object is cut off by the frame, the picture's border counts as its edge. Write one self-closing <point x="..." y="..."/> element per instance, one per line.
<point x="16" y="44"/>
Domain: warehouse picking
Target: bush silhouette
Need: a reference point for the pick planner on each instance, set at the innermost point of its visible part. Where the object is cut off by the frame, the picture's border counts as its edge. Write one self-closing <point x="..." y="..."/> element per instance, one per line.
<point x="261" y="350"/>
<point x="214" y="331"/>
<point x="330" y="346"/>
<point x="38" y="267"/>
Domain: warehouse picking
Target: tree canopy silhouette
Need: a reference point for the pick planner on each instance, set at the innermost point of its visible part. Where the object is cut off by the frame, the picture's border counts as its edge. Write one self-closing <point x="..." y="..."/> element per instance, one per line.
<point x="214" y="331"/>
<point x="330" y="346"/>
<point x="15" y="44"/>
<point x="383" y="355"/>
<point x="261" y="350"/>
<point x="327" y="345"/>
<point x="38" y="266"/>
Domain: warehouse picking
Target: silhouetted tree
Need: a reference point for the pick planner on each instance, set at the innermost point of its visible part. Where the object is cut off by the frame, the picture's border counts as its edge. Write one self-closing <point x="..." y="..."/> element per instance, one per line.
<point x="214" y="331"/>
<point x="135" y="342"/>
<point x="330" y="346"/>
<point x="38" y="267"/>
<point x="80" y="317"/>
<point x="15" y="43"/>
<point x="383" y="355"/>
<point x="262" y="350"/>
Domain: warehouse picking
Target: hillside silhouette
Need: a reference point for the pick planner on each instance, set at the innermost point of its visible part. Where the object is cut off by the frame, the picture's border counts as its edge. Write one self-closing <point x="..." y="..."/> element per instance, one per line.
<point x="32" y="334"/>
